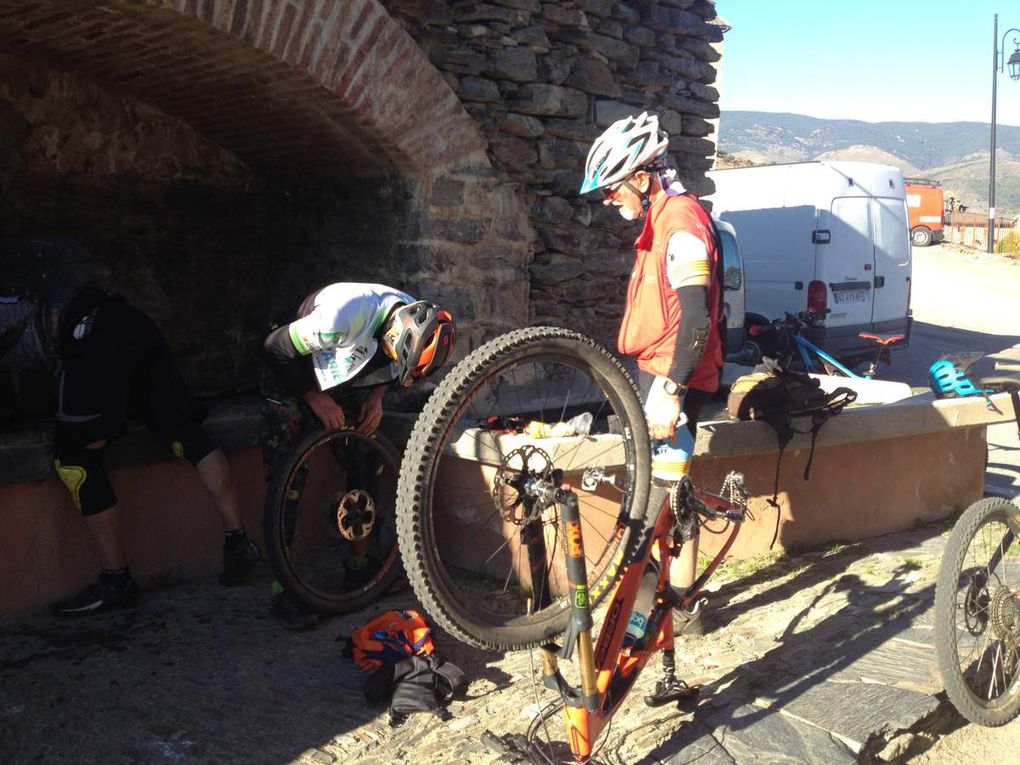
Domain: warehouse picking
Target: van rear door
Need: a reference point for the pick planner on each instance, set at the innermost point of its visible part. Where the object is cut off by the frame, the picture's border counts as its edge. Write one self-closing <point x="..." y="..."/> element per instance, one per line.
<point x="846" y="262"/>
<point x="892" y="263"/>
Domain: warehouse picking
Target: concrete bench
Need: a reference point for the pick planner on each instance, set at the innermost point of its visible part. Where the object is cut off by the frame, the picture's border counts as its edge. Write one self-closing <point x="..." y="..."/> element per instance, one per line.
<point x="875" y="469"/>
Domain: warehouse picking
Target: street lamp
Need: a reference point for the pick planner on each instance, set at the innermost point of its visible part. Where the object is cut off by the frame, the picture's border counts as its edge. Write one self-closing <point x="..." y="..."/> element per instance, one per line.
<point x="999" y="53"/>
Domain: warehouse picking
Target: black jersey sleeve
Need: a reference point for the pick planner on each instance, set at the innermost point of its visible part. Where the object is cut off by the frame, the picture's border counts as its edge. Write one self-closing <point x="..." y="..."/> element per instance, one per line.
<point x="692" y="334"/>
<point x="290" y="367"/>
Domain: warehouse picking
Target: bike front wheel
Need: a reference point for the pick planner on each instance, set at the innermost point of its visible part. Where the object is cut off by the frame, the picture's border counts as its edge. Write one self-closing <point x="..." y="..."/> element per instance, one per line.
<point x="977" y="613"/>
<point x="483" y="553"/>
<point x="329" y="523"/>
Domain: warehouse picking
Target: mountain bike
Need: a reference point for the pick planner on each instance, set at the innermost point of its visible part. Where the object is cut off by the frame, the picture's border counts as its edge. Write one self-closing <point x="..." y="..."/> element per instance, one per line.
<point x="977" y="603"/>
<point x="329" y="525"/>
<point x="510" y="541"/>
<point x="784" y="341"/>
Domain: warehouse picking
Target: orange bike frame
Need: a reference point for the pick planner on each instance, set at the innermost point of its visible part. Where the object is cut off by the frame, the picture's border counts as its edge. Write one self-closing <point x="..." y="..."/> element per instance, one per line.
<point x="613" y="667"/>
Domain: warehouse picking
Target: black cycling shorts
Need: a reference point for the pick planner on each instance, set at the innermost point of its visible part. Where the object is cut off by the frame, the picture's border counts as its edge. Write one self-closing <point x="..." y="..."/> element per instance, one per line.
<point x="119" y="366"/>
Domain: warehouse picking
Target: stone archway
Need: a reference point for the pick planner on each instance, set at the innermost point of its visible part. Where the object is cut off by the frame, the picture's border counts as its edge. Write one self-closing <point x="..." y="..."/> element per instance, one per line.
<point x="365" y="164"/>
<point x="324" y="87"/>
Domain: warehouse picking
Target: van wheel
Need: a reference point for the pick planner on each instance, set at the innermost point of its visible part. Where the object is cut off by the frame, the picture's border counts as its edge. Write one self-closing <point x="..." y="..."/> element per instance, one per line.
<point x="921" y="236"/>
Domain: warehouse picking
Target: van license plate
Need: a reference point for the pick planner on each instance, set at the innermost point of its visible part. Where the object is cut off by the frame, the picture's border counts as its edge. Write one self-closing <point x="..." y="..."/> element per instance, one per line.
<point x="850" y="296"/>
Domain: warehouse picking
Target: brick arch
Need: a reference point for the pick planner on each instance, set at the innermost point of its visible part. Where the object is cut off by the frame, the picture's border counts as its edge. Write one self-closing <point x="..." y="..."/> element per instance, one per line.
<point x="289" y="86"/>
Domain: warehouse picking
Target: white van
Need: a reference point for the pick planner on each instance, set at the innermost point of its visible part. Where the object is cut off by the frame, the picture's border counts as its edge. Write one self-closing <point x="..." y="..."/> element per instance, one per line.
<point x="832" y="237"/>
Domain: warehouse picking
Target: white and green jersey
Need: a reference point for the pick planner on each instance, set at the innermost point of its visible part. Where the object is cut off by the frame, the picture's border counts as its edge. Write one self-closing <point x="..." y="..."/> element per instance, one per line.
<point x="339" y="327"/>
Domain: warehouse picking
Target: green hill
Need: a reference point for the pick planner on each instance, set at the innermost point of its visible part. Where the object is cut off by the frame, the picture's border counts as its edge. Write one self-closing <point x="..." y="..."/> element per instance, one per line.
<point x="955" y="153"/>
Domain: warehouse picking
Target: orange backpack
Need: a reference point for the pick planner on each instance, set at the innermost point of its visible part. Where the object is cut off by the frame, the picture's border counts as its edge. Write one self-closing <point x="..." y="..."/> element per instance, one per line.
<point x="389" y="638"/>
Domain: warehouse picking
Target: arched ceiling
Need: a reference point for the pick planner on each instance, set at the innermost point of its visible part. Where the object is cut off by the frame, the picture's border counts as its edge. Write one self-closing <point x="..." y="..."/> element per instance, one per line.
<point x="291" y="87"/>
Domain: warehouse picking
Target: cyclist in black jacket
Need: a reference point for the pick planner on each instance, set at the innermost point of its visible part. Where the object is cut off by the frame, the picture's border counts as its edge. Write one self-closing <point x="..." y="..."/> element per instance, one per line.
<point x="112" y="356"/>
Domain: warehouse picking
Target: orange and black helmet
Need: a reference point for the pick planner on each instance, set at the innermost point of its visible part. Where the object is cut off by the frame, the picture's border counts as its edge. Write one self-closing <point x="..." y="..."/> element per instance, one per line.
<point x="426" y="339"/>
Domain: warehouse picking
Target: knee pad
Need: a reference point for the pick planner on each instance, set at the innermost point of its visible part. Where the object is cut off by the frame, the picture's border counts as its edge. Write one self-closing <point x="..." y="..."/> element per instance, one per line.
<point x="192" y="443"/>
<point x="84" y="474"/>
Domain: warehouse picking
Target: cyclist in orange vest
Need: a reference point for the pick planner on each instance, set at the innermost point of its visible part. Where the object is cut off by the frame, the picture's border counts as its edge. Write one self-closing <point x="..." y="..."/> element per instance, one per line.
<point x="673" y="323"/>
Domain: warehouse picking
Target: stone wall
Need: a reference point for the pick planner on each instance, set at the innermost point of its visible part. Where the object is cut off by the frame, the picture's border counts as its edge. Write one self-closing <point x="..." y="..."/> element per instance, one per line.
<point x="542" y="80"/>
<point x="224" y="158"/>
<point x="180" y="226"/>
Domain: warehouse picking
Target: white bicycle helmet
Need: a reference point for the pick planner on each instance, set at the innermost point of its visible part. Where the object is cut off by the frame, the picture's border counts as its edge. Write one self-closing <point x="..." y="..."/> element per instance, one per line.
<point x="628" y="145"/>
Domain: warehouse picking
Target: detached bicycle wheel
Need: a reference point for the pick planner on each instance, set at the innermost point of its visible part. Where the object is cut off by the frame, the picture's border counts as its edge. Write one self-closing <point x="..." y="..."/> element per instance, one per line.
<point x="484" y="555"/>
<point x="977" y="613"/>
<point x="330" y="528"/>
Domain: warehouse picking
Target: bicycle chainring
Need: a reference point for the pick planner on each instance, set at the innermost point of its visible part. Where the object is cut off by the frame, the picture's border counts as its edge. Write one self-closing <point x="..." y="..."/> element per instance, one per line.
<point x="356" y="515"/>
<point x="518" y="470"/>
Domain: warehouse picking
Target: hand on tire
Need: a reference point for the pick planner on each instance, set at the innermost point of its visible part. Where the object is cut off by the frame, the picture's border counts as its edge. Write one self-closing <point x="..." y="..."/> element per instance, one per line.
<point x="326" y="409"/>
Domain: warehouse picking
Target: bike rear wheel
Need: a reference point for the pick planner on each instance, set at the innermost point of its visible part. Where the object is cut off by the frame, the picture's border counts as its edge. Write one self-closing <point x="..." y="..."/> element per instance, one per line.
<point x="485" y="557"/>
<point x="330" y="528"/>
<point x="977" y="613"/>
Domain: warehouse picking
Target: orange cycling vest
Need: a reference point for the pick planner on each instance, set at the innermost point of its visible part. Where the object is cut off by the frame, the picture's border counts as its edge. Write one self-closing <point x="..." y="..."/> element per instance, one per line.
<point x="652" y="317"/>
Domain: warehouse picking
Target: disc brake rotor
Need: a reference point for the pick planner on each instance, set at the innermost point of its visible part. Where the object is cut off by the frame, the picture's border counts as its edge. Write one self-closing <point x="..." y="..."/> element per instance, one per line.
<point x="519" y="468"/>
<point x="975" y="604"/>
<point x="355" y="515"/>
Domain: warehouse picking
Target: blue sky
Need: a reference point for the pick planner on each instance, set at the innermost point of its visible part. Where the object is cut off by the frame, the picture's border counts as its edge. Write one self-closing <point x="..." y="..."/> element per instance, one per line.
<point x="872" y="60"/>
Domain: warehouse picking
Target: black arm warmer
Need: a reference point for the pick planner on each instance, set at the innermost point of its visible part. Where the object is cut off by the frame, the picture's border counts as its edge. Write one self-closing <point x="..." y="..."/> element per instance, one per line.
<point x="290" y="367"/>
<point x="692" y="334"/>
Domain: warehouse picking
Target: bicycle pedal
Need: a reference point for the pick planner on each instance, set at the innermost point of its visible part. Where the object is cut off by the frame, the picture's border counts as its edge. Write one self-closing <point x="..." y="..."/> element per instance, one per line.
<point x="668" y="692"/>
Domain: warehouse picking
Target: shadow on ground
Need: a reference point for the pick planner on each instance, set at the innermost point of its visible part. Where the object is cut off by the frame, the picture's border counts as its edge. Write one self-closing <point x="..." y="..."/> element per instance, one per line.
<point x="827" y="646"/>
<point x="197" y="673"/>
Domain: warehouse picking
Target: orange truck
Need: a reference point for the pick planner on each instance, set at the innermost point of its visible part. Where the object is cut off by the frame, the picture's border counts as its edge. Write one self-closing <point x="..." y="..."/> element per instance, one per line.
<point x="925" y="210"/>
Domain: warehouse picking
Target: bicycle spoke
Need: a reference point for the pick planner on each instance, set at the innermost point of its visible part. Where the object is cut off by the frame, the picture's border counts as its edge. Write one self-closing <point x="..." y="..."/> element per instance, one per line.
<point x="498" y="535"/>
<point x="986" y="619"/>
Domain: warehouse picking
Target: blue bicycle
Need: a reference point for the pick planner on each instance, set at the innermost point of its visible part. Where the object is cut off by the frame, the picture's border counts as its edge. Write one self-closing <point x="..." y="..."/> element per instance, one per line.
<point x="784" y="341"/>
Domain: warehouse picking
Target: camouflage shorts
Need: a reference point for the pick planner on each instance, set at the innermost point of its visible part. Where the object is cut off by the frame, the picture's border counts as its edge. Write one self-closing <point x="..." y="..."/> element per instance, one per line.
<point x="284" y="417"/>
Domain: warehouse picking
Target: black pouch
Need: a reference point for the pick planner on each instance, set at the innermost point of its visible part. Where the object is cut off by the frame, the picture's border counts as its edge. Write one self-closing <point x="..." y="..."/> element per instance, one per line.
<point x="423" y="684"/>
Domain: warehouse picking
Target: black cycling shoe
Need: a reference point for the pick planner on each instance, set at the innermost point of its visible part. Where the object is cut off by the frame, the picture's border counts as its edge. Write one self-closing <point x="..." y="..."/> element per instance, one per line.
<point x="691" y="620"/>
<point x="101" y="596"/>
<point x="292" y="613"/>
<point x="670" y="689"/>
<point x="238" y="563"/>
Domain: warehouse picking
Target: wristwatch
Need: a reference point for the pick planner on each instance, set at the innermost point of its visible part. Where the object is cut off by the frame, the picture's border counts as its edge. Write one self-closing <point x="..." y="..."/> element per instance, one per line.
<point x="671" y="388"/>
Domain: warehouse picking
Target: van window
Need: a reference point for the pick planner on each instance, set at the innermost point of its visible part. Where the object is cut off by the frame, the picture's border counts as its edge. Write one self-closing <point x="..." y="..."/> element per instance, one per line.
<point x="733" y="277"/>
<point x="891" y="234"/>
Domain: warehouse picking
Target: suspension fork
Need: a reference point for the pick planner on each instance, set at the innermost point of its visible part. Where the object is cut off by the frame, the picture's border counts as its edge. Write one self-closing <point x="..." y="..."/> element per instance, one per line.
<point x="579" y="626"/>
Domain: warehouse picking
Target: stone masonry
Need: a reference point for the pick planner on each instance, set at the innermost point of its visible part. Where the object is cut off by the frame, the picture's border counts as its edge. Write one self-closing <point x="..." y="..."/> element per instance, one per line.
<point x="542" y="80"/>
<point x="224" y="157"/>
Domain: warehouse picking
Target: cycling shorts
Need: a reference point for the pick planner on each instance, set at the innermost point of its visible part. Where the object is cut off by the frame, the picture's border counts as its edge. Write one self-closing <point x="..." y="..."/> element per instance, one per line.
<point x="680" y="448"/>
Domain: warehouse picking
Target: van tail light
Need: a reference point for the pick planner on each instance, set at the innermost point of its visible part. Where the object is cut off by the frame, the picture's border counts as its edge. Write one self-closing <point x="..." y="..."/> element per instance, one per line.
<point x="817" y="297"/>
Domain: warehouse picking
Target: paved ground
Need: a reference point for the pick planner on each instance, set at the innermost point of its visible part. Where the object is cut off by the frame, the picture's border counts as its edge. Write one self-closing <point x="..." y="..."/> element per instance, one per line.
<point x="824" y="657"/>
<point x="965" y="301"/>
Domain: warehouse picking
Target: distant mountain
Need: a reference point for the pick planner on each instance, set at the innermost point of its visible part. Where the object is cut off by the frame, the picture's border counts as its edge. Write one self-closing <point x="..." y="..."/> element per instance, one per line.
<point x="955" y="153"/>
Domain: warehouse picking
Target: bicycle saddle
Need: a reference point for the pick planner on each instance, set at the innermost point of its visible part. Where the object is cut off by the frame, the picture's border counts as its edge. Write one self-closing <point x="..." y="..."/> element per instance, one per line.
<point x="881" y="339"/>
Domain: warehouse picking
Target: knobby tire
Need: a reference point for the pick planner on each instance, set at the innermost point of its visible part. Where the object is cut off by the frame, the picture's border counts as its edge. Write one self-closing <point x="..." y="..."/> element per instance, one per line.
<point x="418" y="495"/>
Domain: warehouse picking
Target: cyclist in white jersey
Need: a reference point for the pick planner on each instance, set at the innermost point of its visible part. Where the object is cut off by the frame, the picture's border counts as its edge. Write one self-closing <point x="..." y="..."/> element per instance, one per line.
<point x="346" y="344"/>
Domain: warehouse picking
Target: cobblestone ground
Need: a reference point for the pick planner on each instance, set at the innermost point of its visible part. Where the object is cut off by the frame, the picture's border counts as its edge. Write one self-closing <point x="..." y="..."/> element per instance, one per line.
<point x="200" y="673"/>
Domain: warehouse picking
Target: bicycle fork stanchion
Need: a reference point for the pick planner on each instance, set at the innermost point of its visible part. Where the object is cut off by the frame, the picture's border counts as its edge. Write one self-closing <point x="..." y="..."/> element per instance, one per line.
<point x="579" y="627"/>
<point x="577" y="703"/>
